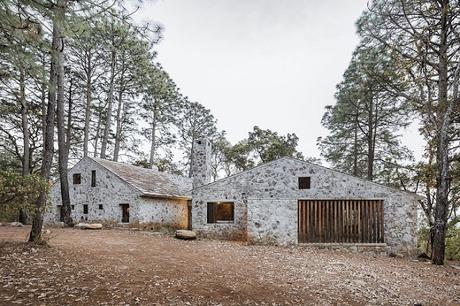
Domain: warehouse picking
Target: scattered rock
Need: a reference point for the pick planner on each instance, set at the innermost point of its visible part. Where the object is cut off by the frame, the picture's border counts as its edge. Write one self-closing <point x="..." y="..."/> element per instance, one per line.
<point x="185" y="235"/>
<point x="92" y="226"/>
<point x="391" y="254"/>
<point x="423" y="256"/>
<point x="16" y="224"/>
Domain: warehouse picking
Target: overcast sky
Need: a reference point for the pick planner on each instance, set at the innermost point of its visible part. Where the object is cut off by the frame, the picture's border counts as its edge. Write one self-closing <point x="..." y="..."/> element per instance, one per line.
<point x="269" y="63"/>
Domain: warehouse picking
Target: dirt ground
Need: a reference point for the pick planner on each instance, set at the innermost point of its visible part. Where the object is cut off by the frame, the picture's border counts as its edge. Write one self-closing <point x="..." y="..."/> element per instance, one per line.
<point x="132" y="267"/>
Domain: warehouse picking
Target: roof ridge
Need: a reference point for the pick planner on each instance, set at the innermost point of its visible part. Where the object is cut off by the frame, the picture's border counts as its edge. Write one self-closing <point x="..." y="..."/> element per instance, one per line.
<point x="312" y="164"/>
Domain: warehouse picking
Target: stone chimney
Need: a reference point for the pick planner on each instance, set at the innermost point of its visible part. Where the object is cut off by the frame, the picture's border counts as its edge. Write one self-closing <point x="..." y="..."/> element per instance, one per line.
<point x="201" y="162"/>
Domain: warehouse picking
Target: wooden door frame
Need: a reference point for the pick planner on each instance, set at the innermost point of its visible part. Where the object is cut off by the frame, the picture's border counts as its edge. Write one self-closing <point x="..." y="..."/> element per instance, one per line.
<point x="123" y="206"/>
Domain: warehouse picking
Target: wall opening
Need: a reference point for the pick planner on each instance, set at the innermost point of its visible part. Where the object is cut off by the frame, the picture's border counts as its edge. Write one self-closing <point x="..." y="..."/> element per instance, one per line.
<point x="221" y="212"/>
<point x="304" y="182"/>
<point x="124" y="213"/>
<point x="93" y="178"/>
<point x="76" y="178"/>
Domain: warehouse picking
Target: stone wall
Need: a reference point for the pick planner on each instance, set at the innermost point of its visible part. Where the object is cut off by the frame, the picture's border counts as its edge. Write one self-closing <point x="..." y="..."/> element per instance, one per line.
<point x="201" y="162"/>
<point x="111" y="191"/>
<point x="271" y="221"/>
<point x="266" y="202"/>
<point x="167" y="212"/>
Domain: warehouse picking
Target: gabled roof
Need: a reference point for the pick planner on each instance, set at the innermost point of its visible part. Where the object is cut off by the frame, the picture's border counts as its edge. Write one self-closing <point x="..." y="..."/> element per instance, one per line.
<point x="150" y="182"/>
<point x="313" y="165"/>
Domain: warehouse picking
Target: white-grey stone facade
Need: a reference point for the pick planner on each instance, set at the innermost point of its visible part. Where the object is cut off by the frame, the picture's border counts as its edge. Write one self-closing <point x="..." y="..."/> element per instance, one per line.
<point x="265" y="199"/>
<point x="201" y="165"/>
<point x="266" y="203"/>
<point x="112" y="189"/>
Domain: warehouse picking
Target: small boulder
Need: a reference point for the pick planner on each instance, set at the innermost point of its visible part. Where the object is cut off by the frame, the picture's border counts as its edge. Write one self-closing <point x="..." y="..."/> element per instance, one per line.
<point x="423" y="256"/>
<point x="16" y="224"/>
<point x="92" y="226"/>
<point x="185" y="235"/>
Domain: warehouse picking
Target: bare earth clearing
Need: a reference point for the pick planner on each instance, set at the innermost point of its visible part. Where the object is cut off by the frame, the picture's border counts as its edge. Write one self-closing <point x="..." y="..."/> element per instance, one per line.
<point x="129" y="267"/>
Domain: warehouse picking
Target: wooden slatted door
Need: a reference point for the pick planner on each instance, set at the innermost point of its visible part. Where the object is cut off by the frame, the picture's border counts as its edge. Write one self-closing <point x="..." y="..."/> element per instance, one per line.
<point x="341" y="221"/>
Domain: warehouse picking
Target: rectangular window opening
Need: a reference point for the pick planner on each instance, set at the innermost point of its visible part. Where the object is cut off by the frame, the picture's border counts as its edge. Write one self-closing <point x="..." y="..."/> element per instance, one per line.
<point x="72" y="207"/>
<point x="101" y="206"/>
<point x="76" y="178"/>
<point x="304" y="182"/>
<point x="85" y="208"/>
<point x="221" y="212"/>
<point x="93" y="178"/>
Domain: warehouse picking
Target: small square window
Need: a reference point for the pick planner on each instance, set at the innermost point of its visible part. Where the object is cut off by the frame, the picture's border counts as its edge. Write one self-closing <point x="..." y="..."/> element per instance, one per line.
<point x="304" y="182"/>
<point x="220" y="212"/>
<point x="101" y="206"/>
<point x="93" y="178"/>
<point x="76" y="178"/>
<point x="85" y="208"/>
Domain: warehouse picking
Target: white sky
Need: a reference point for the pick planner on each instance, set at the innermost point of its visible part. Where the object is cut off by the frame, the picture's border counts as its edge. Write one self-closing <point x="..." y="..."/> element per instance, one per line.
<point x="269" y="63"/>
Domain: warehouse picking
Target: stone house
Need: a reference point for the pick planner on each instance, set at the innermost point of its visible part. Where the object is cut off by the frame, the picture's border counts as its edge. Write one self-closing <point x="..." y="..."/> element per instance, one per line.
<point x="285" y="202"/>
<point x="106" y="191"/>
<point x="289" y="201"/>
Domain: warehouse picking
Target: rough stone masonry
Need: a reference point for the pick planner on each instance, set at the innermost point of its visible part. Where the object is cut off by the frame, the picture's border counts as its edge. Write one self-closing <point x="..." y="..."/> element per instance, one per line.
<point x="266" y="203"/>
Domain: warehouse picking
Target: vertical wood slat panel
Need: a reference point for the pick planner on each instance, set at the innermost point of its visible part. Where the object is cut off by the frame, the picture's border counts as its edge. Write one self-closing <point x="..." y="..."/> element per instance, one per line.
<point x="377" y="221"/>
<point x="382" y="225"/>
<point x="359" y="221"/>
<point x="313" y="213"/>
<point x="371" y="221"/>
<point x="299" y="221"/>
<point x="351" y="221"/>
<point x="342" y="222"/>
<point x="335" y="222"/>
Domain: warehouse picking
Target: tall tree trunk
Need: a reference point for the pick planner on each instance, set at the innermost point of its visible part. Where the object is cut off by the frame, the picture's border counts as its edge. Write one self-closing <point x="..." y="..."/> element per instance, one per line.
<point x="25" y="135"/>
<point x="153" y="144"/>
<point x="120" y="117"/>
<point x="43" y="96"/>
<point x="370" y="142"/>
<point x="98" y="129"/>
<point x="108" y="120"/>
<point x="445" y="108"/>
<point x="120" y="112"/>
<point x="48" y="136"/>
<point x="87" y="104"/>
<point x="62" y="142"/>
<point x="355" y="145"/>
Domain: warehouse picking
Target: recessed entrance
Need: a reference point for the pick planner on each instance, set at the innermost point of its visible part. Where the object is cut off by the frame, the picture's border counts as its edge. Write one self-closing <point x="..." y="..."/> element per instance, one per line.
<point x="124" y="213"/>
<point x="341" y="221"/>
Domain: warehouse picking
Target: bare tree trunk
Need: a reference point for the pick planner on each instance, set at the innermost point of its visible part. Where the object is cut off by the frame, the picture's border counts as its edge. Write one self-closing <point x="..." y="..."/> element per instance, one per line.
<point x="120" y="113"/>
<point x="25" y="135"/>
<point x="62" y="142"/>
<point x="108" y="120"/>
<point x="120" y="117"/>
<point x="43" y="96"/>
<point x="370" y="143"/>
<point x="442" y="156"/>
<point x="355" y="146"/>
<point x="48" y="137"/>
<point x="87" y="105"/>
<point x="153" y="144"/>
<point x="98" y="130"/>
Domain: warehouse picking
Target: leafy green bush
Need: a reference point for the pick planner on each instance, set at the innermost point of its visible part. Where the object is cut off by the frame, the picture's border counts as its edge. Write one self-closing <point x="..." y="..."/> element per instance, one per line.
<point x="453" y="244"/>
<point x="19" y="192"/>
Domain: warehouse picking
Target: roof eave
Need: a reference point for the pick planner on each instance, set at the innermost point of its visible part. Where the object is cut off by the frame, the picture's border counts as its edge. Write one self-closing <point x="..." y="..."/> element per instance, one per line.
<point x="164" y="196"/>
